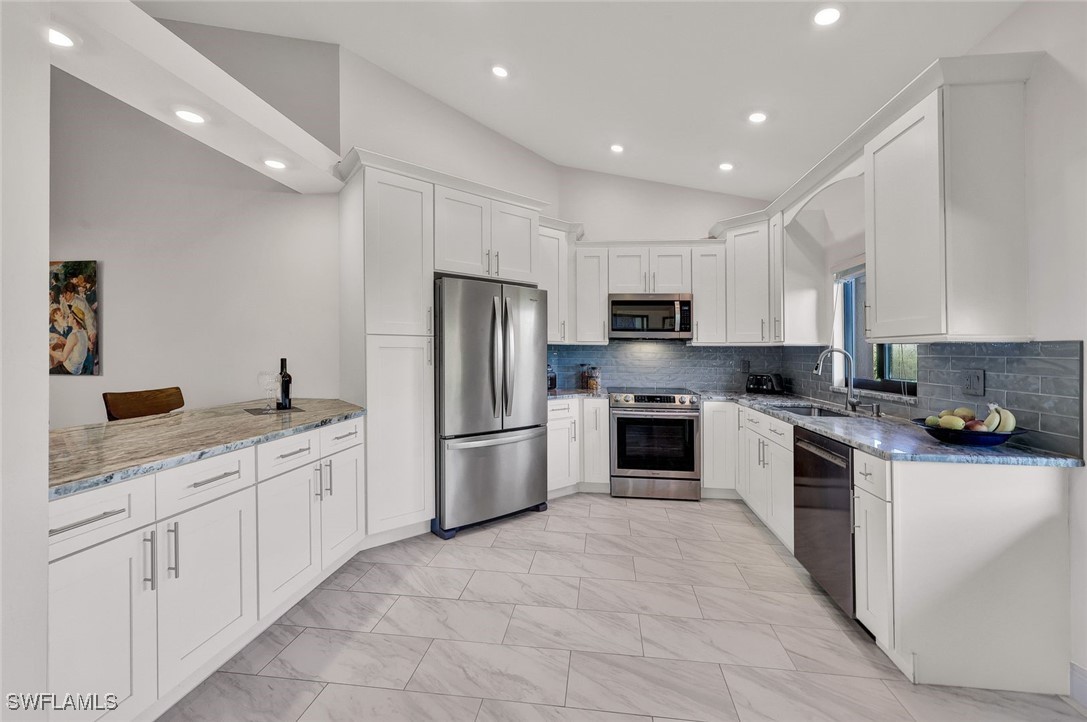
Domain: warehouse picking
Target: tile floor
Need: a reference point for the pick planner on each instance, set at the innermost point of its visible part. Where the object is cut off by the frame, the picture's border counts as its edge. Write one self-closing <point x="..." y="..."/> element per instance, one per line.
<point x="600" y="609"/>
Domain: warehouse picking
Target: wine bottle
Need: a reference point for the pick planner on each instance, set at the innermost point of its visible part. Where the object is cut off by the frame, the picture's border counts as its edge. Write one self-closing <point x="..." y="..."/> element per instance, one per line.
<point x="284" y="401"/>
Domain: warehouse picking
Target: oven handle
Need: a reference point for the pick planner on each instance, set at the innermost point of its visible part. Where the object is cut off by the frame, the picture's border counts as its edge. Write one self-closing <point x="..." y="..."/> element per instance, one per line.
<point x="656" y="414"/>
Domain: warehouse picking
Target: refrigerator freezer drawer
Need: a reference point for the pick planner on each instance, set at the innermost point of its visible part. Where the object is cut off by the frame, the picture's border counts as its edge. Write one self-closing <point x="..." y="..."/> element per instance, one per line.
<point x="484" y="477"/>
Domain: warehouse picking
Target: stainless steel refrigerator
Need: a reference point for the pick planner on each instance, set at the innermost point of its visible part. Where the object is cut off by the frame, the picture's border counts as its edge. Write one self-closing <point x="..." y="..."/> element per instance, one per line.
<point x="492" y="401"/>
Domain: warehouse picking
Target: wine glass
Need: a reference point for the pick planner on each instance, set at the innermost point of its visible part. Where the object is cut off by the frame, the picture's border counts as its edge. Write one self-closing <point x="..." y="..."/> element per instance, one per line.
<point x="269" y="383"/>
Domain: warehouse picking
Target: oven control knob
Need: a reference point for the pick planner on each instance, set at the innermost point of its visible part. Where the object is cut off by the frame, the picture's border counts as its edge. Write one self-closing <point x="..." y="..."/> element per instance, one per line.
<point x="682" y="399"/>
<point x="628" y="398"/>
<point x="692" y="400"/>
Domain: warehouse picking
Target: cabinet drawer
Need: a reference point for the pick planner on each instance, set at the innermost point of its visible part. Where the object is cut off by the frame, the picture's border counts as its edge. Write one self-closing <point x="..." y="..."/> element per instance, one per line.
<point x="202" y="481"/>
<point x="872" y="474"/>
<point x="82" y="520"/>
<point x="756" y="421"/>
<point x="562" y="408"/>
<point x="780" y="432"/>
<point x="341" y="436"/>
<point x="275" y="457"/>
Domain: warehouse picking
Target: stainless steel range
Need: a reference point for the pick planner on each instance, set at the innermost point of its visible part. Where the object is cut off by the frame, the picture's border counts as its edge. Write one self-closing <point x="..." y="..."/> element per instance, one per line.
<point x="656" y="449"/>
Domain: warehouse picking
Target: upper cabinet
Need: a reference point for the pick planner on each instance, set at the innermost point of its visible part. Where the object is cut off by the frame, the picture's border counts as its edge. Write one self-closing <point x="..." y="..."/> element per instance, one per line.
<point x="554" y="278"/>
<point x="748" y="283"/>
<point x="945" y="217"/>
<point x="660" y="269"/>
<point x="478" y="236"/>
<point x="591" y="295"/>
<point x="709" y="286"/>
<point x="777" y="278"/>
<point x="628" y="270"/>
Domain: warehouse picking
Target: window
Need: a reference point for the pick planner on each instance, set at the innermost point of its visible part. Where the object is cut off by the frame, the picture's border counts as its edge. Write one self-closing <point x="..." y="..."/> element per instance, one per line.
<point x="890" y="367"/>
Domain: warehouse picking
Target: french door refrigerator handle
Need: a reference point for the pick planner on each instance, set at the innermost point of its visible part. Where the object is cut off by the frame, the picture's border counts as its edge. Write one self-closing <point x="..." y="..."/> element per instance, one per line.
<point x="511" y="357"/>
<point x="496" y="358"/>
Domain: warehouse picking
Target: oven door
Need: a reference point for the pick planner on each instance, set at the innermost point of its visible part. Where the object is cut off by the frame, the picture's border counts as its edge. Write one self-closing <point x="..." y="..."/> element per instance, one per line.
<point x="656" y="444"/>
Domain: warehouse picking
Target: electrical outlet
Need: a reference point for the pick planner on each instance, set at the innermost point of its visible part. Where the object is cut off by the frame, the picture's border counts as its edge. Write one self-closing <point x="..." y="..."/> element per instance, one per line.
<point x="973" y="383"/>
<point x="745" y="366"/>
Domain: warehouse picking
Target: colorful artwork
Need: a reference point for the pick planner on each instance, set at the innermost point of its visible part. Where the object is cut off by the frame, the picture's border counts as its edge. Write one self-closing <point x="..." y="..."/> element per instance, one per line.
<point x="74" y="344"/>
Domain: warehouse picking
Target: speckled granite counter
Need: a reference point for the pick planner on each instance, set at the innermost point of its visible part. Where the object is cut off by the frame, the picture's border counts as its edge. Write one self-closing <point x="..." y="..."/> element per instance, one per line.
<point x="889" y="437"/>
<point x="85" y="457"/>
<point x="556" y="394"/>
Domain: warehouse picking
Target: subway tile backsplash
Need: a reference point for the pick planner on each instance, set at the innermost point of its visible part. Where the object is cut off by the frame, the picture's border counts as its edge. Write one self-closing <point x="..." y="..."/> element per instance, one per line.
<point x="1040" y="382"/>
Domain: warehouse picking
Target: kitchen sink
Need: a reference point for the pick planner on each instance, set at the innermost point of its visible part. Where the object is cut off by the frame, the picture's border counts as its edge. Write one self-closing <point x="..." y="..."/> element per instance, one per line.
<point x="810" y="411"/>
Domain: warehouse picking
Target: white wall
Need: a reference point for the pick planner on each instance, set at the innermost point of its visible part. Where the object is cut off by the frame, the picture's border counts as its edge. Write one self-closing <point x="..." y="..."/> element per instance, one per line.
<point x="617" y="208"/>
<point x="1056" y="142"/>
<point x="209" y="272"/>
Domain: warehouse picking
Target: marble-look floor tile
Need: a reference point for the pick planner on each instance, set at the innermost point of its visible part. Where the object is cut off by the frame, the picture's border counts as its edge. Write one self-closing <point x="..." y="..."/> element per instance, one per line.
<point x="711" y="640"/>
<point x="329" y="655"/>
<point x="335" y="609"/>
<point x="833" y="651"/>
<point x="678" y="530"/>
<point x="719" y="551"/>
<point x="628" y="511"/>
<point x="585" y="525"/>
<point x="261" y="650"/>
<point x="745" y="533"/>
<point x="346" y="576"/>
<point x="593" y="566"/>
<point x="417" y="550"/>
<point x="784" y="608"/>
<point x="574" y="629"/>
<point x="243" y="698"/>
<point x="493" y="671"/>
<point x="414" y="581"/>
<point x="638" y="598"/>
<point x="767" y="694"/>
<point x="489" y="559"/>
<point x="929" y="703"/>
<point x="534" y="589"/>
<point x="768" y="578"/>
<point x="540" y="540"/>
<point x="707" y="516"/>
<point x="567" y="506"/>
<point x="534" y="521"/>
<point x="477" y="536"/>
<point x="344" y="703"/>
<point x="632" y="546"/>
<point x="659" y="687"/>
<point x="495" y="711"/>
<point x="674" y="571"/>
<point x="446" y="619"/>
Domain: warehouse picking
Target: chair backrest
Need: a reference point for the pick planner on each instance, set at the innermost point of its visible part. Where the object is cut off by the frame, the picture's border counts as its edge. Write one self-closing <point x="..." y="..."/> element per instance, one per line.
<point x="133" y="404"/>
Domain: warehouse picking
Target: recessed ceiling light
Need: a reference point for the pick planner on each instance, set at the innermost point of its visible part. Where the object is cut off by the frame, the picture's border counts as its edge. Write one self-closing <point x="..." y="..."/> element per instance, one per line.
<point x="725" y="166"/>
<point x="827" y="16"/>
<point x="757" y="117"/>
<point x="617" y="148"/>
<point x="59" y="39"/>
<point x="275" y="164"/>
<point x="189" y="117"/>
<point x="500" y="71"/>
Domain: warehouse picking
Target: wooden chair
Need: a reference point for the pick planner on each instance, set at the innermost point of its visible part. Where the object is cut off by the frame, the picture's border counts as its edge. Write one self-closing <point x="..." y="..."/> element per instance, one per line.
<point x="134" y="404"/>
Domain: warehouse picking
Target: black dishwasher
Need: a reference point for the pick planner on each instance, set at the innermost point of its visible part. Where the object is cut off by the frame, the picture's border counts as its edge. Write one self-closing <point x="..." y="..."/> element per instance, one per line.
<point x="823" y="513"/>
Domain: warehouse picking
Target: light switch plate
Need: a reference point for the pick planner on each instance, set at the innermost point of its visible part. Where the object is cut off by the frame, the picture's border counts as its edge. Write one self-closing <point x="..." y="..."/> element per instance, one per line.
<point x="745" y="366"/>
<point x="973" y="383"/>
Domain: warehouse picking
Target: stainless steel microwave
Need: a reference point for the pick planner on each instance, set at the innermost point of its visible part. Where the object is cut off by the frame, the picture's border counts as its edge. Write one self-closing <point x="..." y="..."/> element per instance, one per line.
<point x="650" y="315"/>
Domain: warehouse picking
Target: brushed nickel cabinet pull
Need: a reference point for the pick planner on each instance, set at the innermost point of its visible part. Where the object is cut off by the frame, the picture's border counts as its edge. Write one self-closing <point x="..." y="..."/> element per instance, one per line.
<point x="296" y="452"/>
<point x="329" y="487"/>
<point x="85" y="522"/>
<point x="175" y="529"/>
<point x="348" y="435"/>
<point x="154" y="578"/>
<point x="212" y="480"/>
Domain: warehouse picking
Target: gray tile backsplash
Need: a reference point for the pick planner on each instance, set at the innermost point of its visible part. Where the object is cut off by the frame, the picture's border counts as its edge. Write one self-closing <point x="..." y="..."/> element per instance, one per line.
<point x="1040" y="382"/>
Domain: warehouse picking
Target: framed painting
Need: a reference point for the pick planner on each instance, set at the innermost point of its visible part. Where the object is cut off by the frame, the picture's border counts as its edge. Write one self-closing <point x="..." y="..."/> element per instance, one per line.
<point x="75" y="346"/>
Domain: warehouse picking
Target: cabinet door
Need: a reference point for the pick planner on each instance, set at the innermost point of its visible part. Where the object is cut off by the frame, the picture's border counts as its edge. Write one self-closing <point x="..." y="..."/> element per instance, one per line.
<point x="563" y="453"/>
<point x="742" y="472"/>
<point x="591" y="303"/>
<point x="777" y="278"/>
<point x="720" y="444"/>
<point x="288" y="535"/>
<point x="748" y="284"/>
<point x="628" y="270"/>
<point x="708" y="286"/>
<point x="758" y="491"/>
<point x="399" y="431"/>
<point x="670" y="269"/>
<point x="515" y="242"/>
<point x="905" y="260"/>
<point x="398" y="221"/>
<point x="871" y="562"/>
<point x="462" y="232"/>
<point x="102" y="625"/>
<point x="208" y="589"/>
<point x="596" y="438"/>
<point x="553" y="279"/>
<point x="779" y="510"/>
<point x="343" y="503"/>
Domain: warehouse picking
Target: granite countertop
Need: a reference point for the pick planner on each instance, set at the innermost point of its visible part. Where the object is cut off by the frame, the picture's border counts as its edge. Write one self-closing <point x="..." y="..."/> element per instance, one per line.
<point x="86" y="457"/>
<point x="889" y="437"/>
<point x="556" y="394"/>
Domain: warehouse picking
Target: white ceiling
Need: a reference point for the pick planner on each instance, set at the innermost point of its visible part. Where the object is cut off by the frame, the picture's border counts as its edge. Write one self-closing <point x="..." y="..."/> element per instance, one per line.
<point x="672" y="82"/>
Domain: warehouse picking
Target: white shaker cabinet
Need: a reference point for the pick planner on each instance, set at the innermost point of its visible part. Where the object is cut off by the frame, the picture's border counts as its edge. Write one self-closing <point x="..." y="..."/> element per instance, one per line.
<point x="102" y="625"/>
<point x="554" y="278"/>
<point x="563" y="445"/>
<point x="398" y="220"/>
<point x="515" y="242"/>
<point x="462" y="232"/>
<point x="720" y="444"/>
<point x="670" y="269"/>
<point x="777" y="278"/>
<point x="709" y="288"/>
<point x="343" y="503"/>
<point x="628" y="270"/>
<point x="596" y="441"/>
<point x="748" y="283"/>
<point x="399" y="431"/>
<point x="757" y="482"/>
<point x="289" y="535"/>
<point x="591" y="295"/>
<point x="871" y="564"/>
<point x="779" y="507"/>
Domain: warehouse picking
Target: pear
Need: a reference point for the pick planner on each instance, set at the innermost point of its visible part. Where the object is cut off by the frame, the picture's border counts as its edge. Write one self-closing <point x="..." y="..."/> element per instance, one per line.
<point x="932" y="421"/>
<point x="947" y="412"/>
<point x="952" y="422"/>
<point x="965" y="413"/>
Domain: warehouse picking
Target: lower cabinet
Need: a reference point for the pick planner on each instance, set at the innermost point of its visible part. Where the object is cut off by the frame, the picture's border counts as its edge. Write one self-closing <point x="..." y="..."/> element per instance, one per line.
<point x="596" y="441"/>
<point x="720" y="444"/>
<point x="871" y="564"/>
<point x="779" y="511"/>
<point x="758" y="481"/>
<point x="766" y="473"/>
<point x="563" y="446"/>
<point x="343" y="506"/>
<point x="289" y="535"/>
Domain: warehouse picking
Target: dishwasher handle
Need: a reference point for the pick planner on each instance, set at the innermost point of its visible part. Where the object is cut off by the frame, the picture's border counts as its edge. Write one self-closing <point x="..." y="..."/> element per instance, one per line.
<point x="839" y="461"/>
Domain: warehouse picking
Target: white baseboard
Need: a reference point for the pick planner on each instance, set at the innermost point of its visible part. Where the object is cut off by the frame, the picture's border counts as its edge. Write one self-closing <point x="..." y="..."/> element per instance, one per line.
<point x="1078" y="690"/>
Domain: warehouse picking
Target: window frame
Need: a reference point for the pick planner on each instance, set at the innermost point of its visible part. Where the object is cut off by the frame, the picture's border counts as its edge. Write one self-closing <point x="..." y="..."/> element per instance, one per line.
<point x="899" y="387"/>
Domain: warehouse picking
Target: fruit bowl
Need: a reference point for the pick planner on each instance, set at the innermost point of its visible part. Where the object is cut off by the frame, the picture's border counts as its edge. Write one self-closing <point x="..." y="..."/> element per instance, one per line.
<point x="968" y="438"/>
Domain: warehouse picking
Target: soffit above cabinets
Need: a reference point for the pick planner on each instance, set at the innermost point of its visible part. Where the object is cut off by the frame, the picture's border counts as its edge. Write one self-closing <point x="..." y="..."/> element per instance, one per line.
<point x="123" y="51"/>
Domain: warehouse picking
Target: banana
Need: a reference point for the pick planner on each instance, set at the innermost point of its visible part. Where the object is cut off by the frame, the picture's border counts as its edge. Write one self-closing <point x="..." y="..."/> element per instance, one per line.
<point x="1007" y="421"/>
<point x="993" y="419"/>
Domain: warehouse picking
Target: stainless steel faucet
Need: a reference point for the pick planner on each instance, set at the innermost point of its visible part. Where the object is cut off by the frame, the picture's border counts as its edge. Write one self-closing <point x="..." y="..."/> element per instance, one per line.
<point x="851" y="399"/>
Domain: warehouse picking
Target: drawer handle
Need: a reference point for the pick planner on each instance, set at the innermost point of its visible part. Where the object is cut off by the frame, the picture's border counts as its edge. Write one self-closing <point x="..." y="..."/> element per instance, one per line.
<point x="560" y="408"/>
<point x="348" y="435"/>
<point x="865" y="474"/>
<point x="296" y="452"/>
<point x="212" y="480"/>
<point x="84" y="522"/>
<point x="775" y="431"/>
<point x="753" y="421"/>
